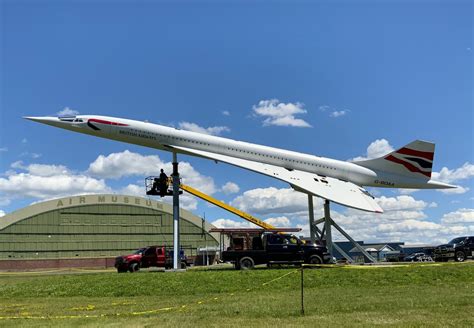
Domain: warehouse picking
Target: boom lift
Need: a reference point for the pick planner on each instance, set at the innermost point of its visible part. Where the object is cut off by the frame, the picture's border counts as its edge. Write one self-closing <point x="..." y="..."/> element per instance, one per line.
<point x="155" y="189"/>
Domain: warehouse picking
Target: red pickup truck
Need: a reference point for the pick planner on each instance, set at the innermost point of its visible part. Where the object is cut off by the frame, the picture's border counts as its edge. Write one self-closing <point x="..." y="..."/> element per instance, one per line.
<point x="151" y="256"/>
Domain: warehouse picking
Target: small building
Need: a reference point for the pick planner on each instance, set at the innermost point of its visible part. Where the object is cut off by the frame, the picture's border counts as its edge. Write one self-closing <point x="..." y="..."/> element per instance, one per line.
<point x="378" y="251"/>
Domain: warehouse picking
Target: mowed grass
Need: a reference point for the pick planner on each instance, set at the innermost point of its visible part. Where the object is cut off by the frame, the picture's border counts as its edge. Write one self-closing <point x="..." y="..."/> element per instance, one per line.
<point x="404" y="296"/>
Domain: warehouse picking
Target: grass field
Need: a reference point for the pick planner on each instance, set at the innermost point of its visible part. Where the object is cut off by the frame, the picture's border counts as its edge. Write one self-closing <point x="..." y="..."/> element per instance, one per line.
<point x="404" y="296"/>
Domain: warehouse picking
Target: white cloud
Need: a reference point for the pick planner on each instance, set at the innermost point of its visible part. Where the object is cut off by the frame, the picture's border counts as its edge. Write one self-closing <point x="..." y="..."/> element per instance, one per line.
<point x="464" y="172"/>
<point x="27" y="184"/>
<point x="407" y="226"/>
<point x="66" y="111"/>
<point x="462" y="215"/>
<point x="227" y="223"/>
<point x="186" y="201"/>
<point x="338" y="113"/>
<point x="407" y="223"/>
<point x="3" y="149"/>
<point x="458" y="190"/>
<point x="378" y="148"/>
<point x="44" y="181"/>
<point x="279" y="222"/>
<point x="230" y="188"/>
<point x="133" y="190"/>
<point x="403" y="191"/>
<point x="402" y="202"/>
<point x="324" y="108"/>
<point x="126" y="163"/>
<point x="4" y="200"/>
<point x="272" y="200"/>
<point x="32" y="155"/>
<point x="44" y="170"/>
<point x="213" y="130"/>
<point x="333" y="112"/>
<point x="225" y="113"/>
<point x="449" y="176"/>
<point x="2" y="213"/>
<point x="24" y="141"/>
<point x="397" y="209"/>
<point x="280" y="114"/>
<point x="18" y="165"/>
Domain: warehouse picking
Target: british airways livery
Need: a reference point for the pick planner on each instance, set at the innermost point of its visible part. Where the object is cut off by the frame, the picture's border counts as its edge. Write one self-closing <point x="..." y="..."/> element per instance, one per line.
<point x="338" y="181"/>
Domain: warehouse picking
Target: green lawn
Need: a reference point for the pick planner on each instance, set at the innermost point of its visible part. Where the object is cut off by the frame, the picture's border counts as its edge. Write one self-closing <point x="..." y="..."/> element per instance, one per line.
<point x="407" y="296"/>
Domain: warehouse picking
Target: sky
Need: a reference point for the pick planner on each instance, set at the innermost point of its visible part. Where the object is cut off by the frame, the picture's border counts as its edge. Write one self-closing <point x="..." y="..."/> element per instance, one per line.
<point x="340" y="79"/>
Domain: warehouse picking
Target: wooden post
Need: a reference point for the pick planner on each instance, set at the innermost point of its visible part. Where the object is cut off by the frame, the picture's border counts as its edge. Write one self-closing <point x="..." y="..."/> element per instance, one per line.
<point x="302" y="289"/>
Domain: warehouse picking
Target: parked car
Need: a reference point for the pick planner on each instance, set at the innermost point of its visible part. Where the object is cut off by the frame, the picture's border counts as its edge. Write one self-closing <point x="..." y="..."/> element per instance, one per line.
<point x="151" y="256"/>
<point x="459" y="249"/>
<point x="272" y="248"/>
<point x="418" y="257"/>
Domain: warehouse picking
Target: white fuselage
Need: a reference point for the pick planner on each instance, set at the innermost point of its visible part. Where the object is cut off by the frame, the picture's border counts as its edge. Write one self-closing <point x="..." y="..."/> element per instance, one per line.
<point x="163" y="137"/>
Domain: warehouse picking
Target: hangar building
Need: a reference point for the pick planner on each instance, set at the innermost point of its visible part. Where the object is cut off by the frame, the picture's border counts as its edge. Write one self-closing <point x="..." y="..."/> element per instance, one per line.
<point x="93" y="226"/>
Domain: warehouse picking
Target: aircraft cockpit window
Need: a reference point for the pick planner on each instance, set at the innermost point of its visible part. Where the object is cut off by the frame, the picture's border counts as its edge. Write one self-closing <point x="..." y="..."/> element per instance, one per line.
<point x="67" y="118"/>
<point x="78" y="120"/>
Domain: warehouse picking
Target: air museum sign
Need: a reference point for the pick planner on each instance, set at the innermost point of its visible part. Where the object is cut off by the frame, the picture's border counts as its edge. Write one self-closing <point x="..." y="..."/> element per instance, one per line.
<point x="108" y="199"/>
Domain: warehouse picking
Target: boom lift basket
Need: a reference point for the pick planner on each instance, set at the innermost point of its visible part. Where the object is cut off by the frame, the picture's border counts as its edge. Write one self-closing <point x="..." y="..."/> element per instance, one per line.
<point x="153" y="187"/>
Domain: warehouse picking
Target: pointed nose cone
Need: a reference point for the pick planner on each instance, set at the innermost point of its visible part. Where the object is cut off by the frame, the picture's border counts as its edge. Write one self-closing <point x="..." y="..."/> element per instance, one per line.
<point x="54" y="121"/>
<point x="36" y="119"/>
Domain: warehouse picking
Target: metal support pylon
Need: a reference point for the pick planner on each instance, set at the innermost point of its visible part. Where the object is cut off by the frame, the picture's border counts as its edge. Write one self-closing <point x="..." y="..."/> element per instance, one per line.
<point x="326" y="234"/>
<point x="327" y="226"/>
<point x="312" y="230"/>
<point x="175" y="176"/>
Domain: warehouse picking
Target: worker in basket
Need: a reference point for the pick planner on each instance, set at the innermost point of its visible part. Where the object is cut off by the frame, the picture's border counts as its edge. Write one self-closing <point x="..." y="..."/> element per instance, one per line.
<point x="163" y="183"/>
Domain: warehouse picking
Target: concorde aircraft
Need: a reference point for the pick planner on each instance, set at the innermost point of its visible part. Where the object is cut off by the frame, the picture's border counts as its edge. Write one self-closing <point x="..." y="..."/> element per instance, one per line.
<point x="334" y="180"/>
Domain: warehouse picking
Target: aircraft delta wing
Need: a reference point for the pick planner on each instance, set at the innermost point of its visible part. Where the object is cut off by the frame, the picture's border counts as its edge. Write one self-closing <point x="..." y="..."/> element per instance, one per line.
<point x="338" y="191"/>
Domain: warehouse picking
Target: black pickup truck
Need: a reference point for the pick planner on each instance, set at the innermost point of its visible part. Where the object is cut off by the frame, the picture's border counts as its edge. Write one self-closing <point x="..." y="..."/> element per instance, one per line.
<point x="247" y="250"/>
<point x="458" y="249"/>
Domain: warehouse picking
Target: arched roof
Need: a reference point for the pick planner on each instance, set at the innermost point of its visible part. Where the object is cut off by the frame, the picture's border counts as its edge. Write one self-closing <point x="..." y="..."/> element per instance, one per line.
<point x="100" y="199"/>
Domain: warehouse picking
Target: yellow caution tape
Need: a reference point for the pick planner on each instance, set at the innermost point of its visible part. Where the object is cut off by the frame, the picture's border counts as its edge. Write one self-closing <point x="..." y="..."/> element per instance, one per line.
<point x="91" y="307"/>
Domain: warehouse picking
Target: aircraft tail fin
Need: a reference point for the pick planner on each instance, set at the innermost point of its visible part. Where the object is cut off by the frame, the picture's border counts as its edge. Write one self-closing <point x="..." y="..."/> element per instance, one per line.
<point x="413" y="160"/>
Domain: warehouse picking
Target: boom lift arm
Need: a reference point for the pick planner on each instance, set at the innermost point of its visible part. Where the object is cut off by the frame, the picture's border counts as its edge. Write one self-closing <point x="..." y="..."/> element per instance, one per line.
<point x="210" y="199"/>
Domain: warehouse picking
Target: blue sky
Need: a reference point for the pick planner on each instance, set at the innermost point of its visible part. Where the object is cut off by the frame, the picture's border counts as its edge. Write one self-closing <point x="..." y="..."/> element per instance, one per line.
<point x="364" y="76"/>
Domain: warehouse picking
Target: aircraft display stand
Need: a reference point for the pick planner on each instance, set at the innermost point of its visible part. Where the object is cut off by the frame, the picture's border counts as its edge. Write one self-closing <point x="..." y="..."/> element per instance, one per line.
<point x="326" y="232"/>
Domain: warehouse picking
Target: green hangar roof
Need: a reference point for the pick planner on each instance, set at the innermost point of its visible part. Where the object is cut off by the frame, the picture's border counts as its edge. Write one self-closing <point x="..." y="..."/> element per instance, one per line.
<point x="97" y="226"/>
